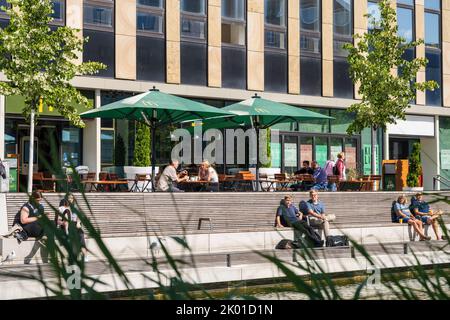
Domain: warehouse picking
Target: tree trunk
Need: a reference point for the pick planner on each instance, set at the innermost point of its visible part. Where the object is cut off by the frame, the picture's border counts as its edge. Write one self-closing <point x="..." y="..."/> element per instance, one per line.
<point x="31" y="152"/>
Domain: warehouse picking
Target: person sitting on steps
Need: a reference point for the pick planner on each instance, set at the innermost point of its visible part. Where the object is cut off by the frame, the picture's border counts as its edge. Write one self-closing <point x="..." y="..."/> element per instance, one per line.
<point x="28" y="218"/>
<point x="315" y="210"/>
<point x="402" y="212"/>
<point x="421" y="210"/>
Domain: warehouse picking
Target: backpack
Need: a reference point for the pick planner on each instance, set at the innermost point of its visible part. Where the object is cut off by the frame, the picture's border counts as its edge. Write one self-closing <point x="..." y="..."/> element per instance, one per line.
<point x="336" y="169"/>
<point x="337" y="241"/>
<point x="285" y="244"/>
<point x="311" y="238"/>
<point x="394" y="213"/>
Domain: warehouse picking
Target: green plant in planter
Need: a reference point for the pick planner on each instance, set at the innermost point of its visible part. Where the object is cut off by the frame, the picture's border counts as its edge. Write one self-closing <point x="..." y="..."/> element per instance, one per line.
<point x="142" y="146"/>
<point x="120" y="151"/>
<point x="269" y="155"/>
<point x="415" y="166"/>
<point x="352" y="174"/>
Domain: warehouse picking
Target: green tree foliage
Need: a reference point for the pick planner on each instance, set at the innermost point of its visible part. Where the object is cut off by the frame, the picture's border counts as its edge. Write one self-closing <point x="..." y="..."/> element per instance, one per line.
<point x="120" y="152"/>
<point x="142" y="146"/>
<point x="39" y="63"/>
<point x="385" y="95"/>
<point x="415" y="166"/>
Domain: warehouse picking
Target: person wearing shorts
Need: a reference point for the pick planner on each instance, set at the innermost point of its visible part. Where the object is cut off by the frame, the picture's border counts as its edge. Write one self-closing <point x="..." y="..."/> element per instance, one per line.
<point x="405" y="216"/>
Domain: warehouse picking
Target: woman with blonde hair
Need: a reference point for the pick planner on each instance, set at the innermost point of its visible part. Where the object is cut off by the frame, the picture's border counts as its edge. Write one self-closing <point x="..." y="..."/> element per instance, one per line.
<point x="405" y="216"/>
<point x="207" y="173"/>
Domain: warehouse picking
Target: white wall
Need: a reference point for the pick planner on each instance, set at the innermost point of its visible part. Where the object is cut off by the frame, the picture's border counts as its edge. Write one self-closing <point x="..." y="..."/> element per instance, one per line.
<point x="91" y="140"/>
<point x="413" y="126"/>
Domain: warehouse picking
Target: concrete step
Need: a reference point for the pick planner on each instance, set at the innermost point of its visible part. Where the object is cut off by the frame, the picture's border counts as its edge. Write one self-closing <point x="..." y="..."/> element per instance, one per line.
<point x="207" y="243"/>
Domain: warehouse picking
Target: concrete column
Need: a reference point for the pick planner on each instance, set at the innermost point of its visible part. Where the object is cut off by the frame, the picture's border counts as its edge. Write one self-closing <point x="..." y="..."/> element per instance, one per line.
<point x="360" y="28"/>
<point x="92" y="140"/>
<point x="420" y="51"/>
<point x="3" y="217"/>
<point x="294" y="47"/>
<point x="214" y="43"/>
<point x="255" y="45"/>
<point x="327" y="49"/>
<point x="386" y="145"/>
<point x="74" y="19"/>
<point x="430" y="157"/>
<point x="446" y="52"/>
<point x="2" y="126"/>
<point x="173" y="37"/>
<point x="125" y="36"/>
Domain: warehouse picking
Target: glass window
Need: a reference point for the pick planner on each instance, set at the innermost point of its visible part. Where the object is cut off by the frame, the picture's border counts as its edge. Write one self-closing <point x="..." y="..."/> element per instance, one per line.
<point x="432" y="4"/>
<point x="193" y="6"/>
<point x="107" y="147"/>
<point x="275" y="39"/>
<point x="311" y="75"/>
<point x="151" y="3"/>
<point x="233" y="33"/>
<point x="275" y="12"/>
<point x="275" y="71"/>
<point x="233" y="9"/>
<point x="71" y="146"/>
<point x="407" y="2"/>
<point x="234" y="67"/>
<point x="310" y="15"/>
<point x="147" y="21"/>
<point x="319" y="125"/>
<point x="374" y="11"/>
<point x="321" y="151"/>
<point x="342" y="120"/>
<point x="433" y="72"/>
<point x="96" y="15"/>
<point x="193" y="28"/>
<point x="151" y="58"/>
<point x="405" y="23"/>
<point x="432" y="28"/>
<point x="58" y="10"/>
<point x="343" y="17"/>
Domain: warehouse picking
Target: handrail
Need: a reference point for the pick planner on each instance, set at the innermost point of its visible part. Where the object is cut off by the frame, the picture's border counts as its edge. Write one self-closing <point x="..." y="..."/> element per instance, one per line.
<point x="442" y="180"/>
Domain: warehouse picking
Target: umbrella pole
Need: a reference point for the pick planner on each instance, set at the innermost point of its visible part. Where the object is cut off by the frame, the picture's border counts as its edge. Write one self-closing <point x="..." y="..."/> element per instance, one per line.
<point x="153" y="131"/>
<point x="257" y="158"/>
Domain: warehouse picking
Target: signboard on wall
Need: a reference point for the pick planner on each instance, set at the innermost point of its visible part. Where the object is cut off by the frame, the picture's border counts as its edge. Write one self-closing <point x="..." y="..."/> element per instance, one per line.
<point x="275" y="153"/>
<point x="445" y="159"/>
<point x="367" y="159"/>
<point x="321" y="154"/>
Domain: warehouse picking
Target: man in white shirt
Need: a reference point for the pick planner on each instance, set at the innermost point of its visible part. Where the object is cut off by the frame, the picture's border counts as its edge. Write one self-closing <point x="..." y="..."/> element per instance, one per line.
<point x="169" y="178"/>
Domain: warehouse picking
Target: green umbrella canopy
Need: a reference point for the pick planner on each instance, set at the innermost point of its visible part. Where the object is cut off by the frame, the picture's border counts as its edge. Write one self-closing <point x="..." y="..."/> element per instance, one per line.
<point x="267" y="112"/>
<point x="165" y="108"/>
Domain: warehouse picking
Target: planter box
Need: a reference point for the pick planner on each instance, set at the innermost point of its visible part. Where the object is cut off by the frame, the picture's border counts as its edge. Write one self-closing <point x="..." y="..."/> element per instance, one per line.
<point x="413" y="189"/>
<point x="131" y="172"/>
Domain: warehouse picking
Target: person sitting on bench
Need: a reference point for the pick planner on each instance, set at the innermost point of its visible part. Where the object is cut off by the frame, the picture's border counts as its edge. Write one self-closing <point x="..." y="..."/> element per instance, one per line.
<point x="28" y="218"/>
<point x="421" y="210"/>
<point x="404" y="216"/>
<point x="286" y="204"/>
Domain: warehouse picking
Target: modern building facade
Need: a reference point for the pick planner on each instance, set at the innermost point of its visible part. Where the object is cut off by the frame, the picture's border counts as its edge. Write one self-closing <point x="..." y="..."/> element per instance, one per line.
<point x="223" y="51"/>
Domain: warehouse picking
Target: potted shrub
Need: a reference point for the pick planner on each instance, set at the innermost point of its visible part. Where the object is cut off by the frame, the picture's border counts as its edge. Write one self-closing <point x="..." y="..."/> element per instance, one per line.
<point x="415" y="170"/>
<point x="266" y="168"/>
<point x="141" y="156"/>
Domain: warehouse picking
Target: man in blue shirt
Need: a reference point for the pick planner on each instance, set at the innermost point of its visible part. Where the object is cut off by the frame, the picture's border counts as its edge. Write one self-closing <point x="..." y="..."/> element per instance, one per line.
<point x="315" y="210"/>
<point x="320" y="176"/>
<point x="292" y="216"/>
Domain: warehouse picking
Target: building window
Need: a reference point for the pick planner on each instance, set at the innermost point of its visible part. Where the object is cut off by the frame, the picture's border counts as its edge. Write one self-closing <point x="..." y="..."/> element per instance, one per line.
<point x="150" y="42"/>
<point x="275" y="57"/>
<point x="99" y="28"/>
<point x="193" y="20"/>
<point x="193" y="47"/>
<point x="233" y="22"/>
<point x="343" y="31"/>
<point x="433" y="50"/>
<point x="310" y="48"/>
<point x="98" y="14"/>
<point x="234" y="55"/>
<point x="374" y="10"/>
<point x="275" y="23"/>
<point x="405" y="20"/>
<point x="58" y="12"/>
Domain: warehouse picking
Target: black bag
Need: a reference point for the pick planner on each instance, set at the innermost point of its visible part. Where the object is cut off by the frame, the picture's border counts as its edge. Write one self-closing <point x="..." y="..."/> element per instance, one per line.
<point x="2" y="170"/>
<point x="285" y="244"/>
<point x="337" y="241"/>
<point x="393" y="213"/>
<point x="311" y="237"/>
